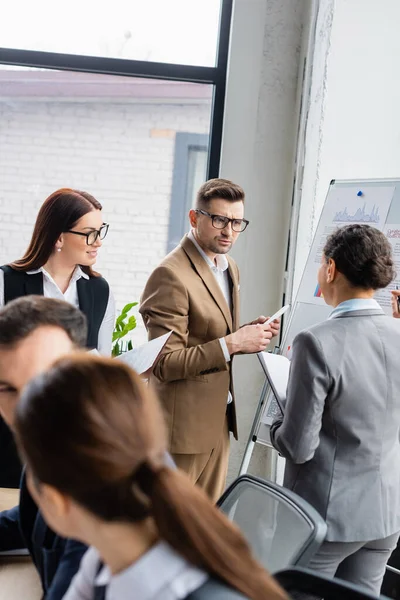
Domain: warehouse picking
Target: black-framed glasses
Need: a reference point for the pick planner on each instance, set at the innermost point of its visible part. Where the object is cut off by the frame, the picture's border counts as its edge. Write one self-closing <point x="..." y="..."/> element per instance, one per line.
<point x="92" y="236"/>
<point x="220" y="222"/>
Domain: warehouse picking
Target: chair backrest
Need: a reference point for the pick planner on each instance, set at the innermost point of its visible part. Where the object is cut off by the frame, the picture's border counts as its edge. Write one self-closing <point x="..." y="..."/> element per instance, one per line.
<point x="215" y="590"/>
<point x="281" y="528"/>
<point x="298" y="580"/>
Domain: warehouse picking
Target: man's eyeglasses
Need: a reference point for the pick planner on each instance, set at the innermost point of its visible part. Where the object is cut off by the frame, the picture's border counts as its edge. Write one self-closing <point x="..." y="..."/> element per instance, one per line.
<point x="92" y="236"/>
<point x="220" y="222"/>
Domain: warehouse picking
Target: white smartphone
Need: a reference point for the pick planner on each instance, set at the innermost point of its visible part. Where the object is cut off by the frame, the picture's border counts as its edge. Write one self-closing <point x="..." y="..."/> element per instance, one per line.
<point x="277" y="314"/>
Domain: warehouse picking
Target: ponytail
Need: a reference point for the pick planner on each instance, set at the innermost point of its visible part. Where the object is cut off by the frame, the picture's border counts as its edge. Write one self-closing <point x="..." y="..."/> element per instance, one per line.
<point x="197" y="530"/>
<point x="103" y="444"/>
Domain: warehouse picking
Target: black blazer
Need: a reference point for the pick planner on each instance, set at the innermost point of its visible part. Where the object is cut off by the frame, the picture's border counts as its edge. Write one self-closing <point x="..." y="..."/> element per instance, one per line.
<point x="93" y="294"/>
<point x="57" y="559"/>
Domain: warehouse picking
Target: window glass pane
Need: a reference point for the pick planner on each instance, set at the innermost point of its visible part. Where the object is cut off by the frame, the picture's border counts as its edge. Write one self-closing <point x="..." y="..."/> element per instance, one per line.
<point x="171" y="31"/>
<point x="197" y="169"/>
<point x="111" y="136"/>
<point x="189" y="172"/>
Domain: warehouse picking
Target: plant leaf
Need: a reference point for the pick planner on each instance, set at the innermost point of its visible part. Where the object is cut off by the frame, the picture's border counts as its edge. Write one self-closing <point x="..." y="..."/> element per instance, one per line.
<point x="122" y="328"/>
<point x="116" y="350"/>
<point x="127" y="308"/>
<point x="120" y="320"/>
<point x="117" y="335"/>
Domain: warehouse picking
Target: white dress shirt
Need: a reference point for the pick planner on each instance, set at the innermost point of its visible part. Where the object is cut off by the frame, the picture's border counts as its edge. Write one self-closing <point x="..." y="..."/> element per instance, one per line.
<point x="221" y="274"/>
<point x="160" y="574"/>
<point x="51" y="290"/>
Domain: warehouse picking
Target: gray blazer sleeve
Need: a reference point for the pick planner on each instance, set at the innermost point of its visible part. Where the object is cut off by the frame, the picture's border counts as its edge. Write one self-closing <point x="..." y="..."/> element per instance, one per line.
<point x="296" y="434"/>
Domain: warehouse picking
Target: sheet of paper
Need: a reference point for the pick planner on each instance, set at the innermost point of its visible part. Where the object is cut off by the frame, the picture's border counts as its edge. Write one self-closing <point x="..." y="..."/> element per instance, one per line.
<point x="276" y="368"/>
<point x="270" y="412"/>
<point x="278" y="314"/>
<point x="342" y="207"/>
<point x="302" y="316"/>
<point x="141" y="359"/>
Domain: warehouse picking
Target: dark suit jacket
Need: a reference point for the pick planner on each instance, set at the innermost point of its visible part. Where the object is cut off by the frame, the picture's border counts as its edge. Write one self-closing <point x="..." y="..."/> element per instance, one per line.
<point x="93" y="294"/>
<point x="57" y="559"/>
<point x="191" y="376"/>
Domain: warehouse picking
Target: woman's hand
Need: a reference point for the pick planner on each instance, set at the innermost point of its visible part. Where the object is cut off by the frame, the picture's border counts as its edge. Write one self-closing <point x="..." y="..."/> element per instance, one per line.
<point x="395" y="303"/>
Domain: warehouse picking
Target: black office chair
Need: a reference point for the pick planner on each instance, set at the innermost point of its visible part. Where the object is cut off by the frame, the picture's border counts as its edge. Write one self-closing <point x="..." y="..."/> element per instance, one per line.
<point x="391" y="581"/>
<point x="281" y="528"/>
<point x="298" y="580"/>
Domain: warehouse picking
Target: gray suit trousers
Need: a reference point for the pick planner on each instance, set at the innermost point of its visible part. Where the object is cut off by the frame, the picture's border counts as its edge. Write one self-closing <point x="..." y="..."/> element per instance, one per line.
<point x="362" y="563"/>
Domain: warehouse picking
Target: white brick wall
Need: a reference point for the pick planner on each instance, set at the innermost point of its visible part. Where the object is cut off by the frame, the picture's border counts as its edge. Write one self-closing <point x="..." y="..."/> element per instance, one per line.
<point x="108" y="150"/>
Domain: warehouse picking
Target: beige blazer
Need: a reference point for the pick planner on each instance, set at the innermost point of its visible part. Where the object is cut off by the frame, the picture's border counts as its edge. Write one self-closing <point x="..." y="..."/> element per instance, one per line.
<point x="192" y="377"/>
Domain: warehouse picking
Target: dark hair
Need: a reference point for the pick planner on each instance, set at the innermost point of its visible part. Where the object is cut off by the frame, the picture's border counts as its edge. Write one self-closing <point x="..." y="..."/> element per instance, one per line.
<point x="58" y="213"/>
<point x="363" y="255"/>
<point x="22" y="316"/>
<point x="90" y="428"/>
<point x="218" y="188"/>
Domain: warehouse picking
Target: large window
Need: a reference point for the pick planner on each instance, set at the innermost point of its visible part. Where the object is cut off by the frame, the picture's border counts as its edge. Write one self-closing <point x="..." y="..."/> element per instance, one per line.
<point x="112" y="136"/>
<point x="168" y="31"/>
<point x="140" y="135"/>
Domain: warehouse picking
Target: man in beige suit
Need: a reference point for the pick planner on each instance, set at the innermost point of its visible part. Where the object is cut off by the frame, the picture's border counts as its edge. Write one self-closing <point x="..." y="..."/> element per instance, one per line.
<point x="194" y="293"/>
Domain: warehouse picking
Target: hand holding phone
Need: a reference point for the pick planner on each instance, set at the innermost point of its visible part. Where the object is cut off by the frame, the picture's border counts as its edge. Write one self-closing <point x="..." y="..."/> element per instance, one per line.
<point x="396" y="303"/>
<point x="277" y="314"/>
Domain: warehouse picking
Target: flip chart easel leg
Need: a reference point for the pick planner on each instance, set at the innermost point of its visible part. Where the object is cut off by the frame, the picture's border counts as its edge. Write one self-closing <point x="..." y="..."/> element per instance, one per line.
<point x="253" y="437"/>
<point x="246" y="458"/>
<point x="280" y="469"/>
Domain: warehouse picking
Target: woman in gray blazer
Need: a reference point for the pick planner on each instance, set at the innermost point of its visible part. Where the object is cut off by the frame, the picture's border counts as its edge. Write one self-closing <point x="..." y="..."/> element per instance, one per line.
<point x="340" y="431"/>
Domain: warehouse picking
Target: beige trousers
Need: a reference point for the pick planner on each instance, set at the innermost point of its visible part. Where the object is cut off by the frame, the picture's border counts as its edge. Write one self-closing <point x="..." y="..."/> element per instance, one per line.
<point x="208" y="470"/>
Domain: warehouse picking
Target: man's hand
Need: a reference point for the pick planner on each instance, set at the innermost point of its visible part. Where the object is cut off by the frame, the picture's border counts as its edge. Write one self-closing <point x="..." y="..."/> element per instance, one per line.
<point x="249" y="339"/>
<point x="395" y="303"/>
<point x="274" y="326"/>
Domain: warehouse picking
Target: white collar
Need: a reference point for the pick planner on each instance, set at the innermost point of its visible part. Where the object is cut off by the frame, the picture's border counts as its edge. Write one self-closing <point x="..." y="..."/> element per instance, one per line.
<point x="221" y="262"/>
<point x="161" y="559"/>
<point x="77" y="274"/>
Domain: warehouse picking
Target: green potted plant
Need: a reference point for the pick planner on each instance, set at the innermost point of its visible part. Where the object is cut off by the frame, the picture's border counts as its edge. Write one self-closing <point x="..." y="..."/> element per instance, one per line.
<point x="123" y="325"/>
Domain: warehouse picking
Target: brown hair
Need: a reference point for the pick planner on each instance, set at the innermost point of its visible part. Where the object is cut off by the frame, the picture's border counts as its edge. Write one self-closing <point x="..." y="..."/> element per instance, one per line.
<point x="20" y="317"/>
<point x="91" y="429"/>
<point x="363" y="255"/>
<point x="58" y="213"/>
<point x="218" y="188"/>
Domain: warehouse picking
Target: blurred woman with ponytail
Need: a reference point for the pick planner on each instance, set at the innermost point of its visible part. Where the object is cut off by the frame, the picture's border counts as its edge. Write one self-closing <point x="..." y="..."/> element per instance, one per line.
<point x="93" y="439"/>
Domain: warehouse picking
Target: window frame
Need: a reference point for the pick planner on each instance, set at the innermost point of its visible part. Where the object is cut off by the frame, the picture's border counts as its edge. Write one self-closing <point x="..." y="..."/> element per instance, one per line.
<point x="178" y="223"/>
<point x="146" y="69"/>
